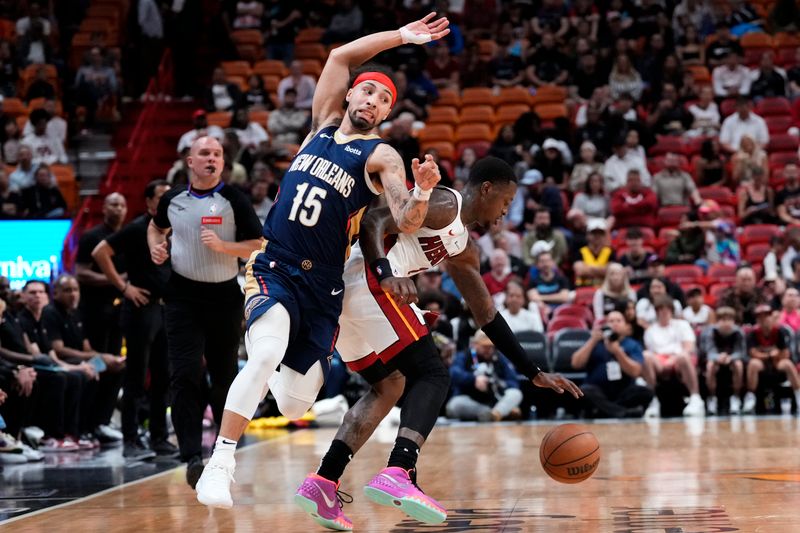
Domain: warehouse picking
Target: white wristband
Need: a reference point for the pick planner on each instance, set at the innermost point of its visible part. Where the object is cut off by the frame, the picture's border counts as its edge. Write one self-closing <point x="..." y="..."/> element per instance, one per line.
<point x="421" y="195"/>
<point x="408" y="36"/>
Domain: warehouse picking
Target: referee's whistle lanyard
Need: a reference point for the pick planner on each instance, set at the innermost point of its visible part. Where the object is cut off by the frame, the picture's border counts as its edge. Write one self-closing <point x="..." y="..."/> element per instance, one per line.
<point x="191" y="192"/>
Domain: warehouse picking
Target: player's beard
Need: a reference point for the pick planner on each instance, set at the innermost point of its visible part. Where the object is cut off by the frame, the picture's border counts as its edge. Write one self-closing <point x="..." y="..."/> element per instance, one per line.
<point x="360" y="123"/>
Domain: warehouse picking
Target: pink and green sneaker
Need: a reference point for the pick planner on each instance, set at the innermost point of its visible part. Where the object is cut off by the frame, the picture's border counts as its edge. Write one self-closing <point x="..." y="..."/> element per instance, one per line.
<point x="395" y="487"/>
<point x="323" y="501"/>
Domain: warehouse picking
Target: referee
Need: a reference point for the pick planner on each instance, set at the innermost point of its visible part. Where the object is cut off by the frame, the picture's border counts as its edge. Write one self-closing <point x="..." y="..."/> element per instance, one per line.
<point x="212" y="225"/>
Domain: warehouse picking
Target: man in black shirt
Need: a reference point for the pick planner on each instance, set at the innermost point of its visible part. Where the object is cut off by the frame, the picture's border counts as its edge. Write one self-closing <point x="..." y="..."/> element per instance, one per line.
<point x="64" y="329"/>
<point x="724" y="44"/>
<point x="98" y="296"/>
<point x="24" y="341"/>
<point x="142" y="325"/>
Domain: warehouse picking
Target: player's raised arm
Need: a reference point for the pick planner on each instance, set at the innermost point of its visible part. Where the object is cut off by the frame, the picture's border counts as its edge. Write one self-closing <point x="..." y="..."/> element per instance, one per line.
<point x="464" y="268"/>
<point x="332" y="85"/>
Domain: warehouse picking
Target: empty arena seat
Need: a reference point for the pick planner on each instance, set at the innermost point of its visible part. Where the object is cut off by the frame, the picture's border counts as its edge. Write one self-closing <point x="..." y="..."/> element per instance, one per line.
<point x="579" y="311"/>
<point x="436" y="132"/>
<point x="563" y="345"/>
<point x="535" y="346"/>
<point x="442" y="115"/>
<point x="758" y="233"/>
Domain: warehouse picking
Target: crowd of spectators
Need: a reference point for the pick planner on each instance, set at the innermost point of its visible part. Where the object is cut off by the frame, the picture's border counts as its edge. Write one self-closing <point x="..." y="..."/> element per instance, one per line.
<point x="653" y="227"/>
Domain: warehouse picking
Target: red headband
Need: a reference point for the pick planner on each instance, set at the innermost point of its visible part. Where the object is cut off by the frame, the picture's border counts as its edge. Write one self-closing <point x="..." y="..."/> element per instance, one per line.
<point x="380" y="78"/>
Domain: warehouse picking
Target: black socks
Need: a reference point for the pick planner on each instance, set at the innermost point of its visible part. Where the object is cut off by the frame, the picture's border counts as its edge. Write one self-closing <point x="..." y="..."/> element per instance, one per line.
<point x="404" y="454"/>
<point x="335" y="461"/>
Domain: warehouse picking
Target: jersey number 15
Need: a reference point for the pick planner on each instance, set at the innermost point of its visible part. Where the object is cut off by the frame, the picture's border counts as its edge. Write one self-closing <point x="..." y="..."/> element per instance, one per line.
<point x="312" y="207"/>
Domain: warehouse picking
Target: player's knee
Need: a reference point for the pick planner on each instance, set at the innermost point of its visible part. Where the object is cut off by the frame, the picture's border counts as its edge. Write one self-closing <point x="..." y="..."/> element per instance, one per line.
<point x="513" y="395"/>
<point x="292" y="408"/>
<point x="391" y="388"/>
<point x="755" y="365"/>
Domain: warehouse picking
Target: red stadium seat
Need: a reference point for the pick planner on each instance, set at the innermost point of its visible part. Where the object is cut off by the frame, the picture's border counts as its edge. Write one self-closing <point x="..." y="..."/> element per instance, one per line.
<point x="727" y="106"/>
<point x="566" y="322"/>
<point x="755" y="252"/>
<point x="584" y="295"/>
<point x="720" y="273"/>
<point x="721" y="195"/>
<point x="667" y="144"/>
<point x="758" y="233"/>
<point x="688" y="273"/>
<point x="778" y="106"/>
<point x="782" y="142"/>
<point x="670" y="216"/>
<point x="781" y="159"/>
<point x="573" y="310"/>
<point x="481" y="148"/>
<point x="715" y="291"/>
<point x="779" y="124"/>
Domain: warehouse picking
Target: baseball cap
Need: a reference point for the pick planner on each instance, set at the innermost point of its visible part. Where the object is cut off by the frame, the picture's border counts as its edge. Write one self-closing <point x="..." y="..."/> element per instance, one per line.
<point x="199" y="113"/>
<point x="550" y="143"/>
<point x="596" y="224"/>
<point x="763" y="308"/>
<point x="531" y="177"/>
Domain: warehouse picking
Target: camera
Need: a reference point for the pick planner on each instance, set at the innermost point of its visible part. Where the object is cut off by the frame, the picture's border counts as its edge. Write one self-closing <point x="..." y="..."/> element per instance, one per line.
<point x="609" y="335"/>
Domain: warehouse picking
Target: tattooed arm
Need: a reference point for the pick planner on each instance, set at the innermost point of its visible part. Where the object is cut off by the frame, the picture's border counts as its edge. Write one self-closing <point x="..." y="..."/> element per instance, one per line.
<point x="408" y="211"/>
<point x="379" y="222"/>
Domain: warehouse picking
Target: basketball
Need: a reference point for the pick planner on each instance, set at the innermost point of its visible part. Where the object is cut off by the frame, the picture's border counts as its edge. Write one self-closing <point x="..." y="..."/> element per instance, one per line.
<point x="569" y="453"/>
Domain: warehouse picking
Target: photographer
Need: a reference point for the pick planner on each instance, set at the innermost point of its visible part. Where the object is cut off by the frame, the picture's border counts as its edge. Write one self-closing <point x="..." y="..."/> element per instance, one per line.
<point x="612" y="361"/>
<point x="485" y="386"/>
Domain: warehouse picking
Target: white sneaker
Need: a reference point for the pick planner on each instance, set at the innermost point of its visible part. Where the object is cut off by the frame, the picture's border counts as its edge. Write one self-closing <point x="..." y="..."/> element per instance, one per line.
<point x="711" y="405"/>
<point x="107" y="434"/>
<point x="695" y="407"/>
<point x="749" y="403"/>
<point x="654" y="409"/>
<point x="214" y="486"/>
<point x="12" y="458"/>
<point x="735" y="405"/>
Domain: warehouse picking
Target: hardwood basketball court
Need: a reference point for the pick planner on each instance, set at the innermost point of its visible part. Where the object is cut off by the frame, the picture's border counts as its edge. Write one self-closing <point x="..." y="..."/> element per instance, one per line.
<point x="729" y="474"/>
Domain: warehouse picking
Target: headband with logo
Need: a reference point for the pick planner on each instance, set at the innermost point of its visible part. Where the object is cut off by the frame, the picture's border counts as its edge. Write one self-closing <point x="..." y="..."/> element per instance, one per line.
<point x="380" y="78"/>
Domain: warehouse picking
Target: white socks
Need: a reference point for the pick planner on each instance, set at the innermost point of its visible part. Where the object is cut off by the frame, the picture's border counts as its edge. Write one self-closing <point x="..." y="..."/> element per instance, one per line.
<point x="224" y="450"/>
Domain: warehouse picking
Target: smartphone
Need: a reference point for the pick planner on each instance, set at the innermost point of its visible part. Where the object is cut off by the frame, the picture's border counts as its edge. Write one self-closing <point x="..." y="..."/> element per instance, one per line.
<point x="98" y="364"/>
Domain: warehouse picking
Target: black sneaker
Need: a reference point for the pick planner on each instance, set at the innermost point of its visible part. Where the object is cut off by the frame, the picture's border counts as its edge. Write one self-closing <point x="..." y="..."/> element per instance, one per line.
<point x="165" y="448"/>
<point x="136" y="451"/>
<point x="194" y="469"/>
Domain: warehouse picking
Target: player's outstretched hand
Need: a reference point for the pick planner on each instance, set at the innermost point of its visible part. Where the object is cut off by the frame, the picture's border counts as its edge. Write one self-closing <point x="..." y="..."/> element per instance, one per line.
<point x="424" y="31"/>
<point x="426" y="175"/>
<point x="403" y="290"/>
<point x="558" y="383"/>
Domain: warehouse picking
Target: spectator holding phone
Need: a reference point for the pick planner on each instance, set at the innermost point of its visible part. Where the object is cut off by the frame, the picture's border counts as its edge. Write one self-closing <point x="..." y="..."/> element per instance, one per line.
<point x="613" y="361"/>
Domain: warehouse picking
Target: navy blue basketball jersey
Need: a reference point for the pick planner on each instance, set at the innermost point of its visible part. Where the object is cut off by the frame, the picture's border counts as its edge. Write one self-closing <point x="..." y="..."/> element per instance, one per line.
<point x="322" y="195"/>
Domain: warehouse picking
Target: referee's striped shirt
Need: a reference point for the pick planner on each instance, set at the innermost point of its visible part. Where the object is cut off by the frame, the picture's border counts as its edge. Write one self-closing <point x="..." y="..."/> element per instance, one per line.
<point x="224" y="210"/>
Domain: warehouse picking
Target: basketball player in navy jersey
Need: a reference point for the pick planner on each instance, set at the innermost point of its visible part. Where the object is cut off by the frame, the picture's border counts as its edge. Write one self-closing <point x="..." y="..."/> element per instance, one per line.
<point x="294" y="288"/>
<point x="389" y="344"/>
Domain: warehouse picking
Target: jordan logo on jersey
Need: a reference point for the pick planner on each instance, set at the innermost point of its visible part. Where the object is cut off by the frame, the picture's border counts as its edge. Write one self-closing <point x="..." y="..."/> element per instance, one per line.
<point x="433" y="248"/>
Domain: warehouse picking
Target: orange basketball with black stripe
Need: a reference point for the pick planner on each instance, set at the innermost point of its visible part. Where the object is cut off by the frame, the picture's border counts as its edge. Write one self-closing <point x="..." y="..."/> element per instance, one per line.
<point x="569" y="453"/>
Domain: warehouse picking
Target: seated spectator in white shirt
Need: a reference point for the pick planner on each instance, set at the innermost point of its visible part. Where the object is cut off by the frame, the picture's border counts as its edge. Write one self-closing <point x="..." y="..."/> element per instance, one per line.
<point x="743" y="122"/>
<point x="25" y="174"/>
<point x="201" y="129"/>
<point x="34" y="14"/>
<point x="617" y="166"/>
<point x="670" y="348"/>
<point x="251" y="134"/>
<point x="705" y="114"/>
<point x="302" y="83"/>
<point x="222" y="95"/>
<point x="697" y="313"/>
<point x="287" y="124"/>
<point x="261" y="202"/>
<point x="516" y="312"/>
<point x="645" y="308"/>
<point x="45" y="148"/>
<point x="731" y="79"/>
<point x="56" y="126"/>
